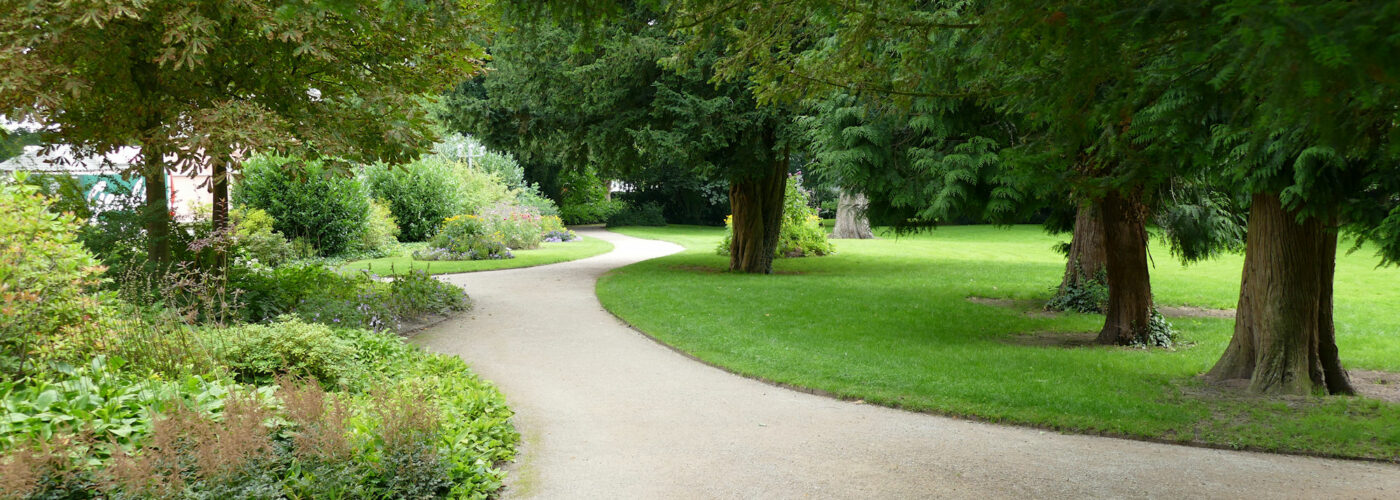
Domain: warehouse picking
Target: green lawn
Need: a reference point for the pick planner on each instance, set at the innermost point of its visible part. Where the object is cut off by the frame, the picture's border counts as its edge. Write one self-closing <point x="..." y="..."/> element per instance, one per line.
<point x="548" y="253"/>
<point x="887" y="321"/>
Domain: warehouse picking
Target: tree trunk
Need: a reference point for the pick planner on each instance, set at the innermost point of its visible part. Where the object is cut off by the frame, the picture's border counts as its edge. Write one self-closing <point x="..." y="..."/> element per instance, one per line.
<point x="757" y="205"/>
<point x="1284" y="340"/>
<point x="1087" y="253"/>
<point x="851" y="222"/>
<point x="157" y="210"/>
<point x="218" y="190"/>
<point x="1129" y="286"/>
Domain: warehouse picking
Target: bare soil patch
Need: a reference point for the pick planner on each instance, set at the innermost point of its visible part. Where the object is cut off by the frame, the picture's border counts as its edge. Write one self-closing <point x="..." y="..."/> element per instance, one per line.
<point x="1195" y="312"/>
<point x="1384" y="386"/>
<point x="1054" y="339"/>
<point x="1028" y="307"/>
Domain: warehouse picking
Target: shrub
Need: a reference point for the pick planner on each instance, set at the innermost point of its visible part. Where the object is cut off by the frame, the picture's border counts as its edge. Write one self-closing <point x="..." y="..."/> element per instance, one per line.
<point x="287" y="346"/>
<point x="255" y="237"/>
<point x="307" y="200"/>
<point x="381" y="229"/>
<point x="646" y="214"/>
<point x="520" y="227"/>
<point x="418" y="293"/>
<point x="466" y="237"/>
<point x="801" y="235"/>
<point x="530" y="198"/>
<point x="552" y="230"/>
<point x="420" y="194"/>
<point x="45" y="276"/>
<point x="585" y="198"/>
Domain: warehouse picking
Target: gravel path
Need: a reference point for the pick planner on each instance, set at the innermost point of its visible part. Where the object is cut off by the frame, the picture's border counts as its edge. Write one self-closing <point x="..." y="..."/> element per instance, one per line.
<point x="607" y="413"/>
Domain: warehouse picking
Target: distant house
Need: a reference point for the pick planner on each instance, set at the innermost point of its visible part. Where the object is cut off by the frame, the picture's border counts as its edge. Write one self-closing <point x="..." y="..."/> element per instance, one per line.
<point x="101" y="176"/>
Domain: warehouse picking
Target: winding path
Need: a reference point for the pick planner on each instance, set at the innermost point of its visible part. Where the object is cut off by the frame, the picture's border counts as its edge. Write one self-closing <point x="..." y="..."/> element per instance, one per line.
<point x="607" y="413"/>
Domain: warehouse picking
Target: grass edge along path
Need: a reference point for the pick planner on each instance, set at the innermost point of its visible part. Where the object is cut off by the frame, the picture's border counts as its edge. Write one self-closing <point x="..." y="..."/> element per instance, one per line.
<point x="548" y="253"/>
<point x="886" y="322"/>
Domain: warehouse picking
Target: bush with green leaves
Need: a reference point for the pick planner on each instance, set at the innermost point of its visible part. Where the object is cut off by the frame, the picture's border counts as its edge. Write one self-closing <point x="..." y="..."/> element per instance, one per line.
<point x="255" y="237"/>
<point x="46" y="276"/>
<point x="408" y="424"/>
<point x="646" y="214"/>
<point x="381" y="230"/>
<point x="466" y="237"/>
<point x="259" y="352"/>
<point x="419" y="194"/>
<point x="585" y="199"/>
<point x="307" y="199"/>
<point x="802" y="234"/>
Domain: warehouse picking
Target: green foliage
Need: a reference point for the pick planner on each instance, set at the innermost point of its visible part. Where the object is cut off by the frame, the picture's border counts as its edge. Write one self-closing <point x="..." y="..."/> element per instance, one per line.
<point x="257" y="353"/>
<point x="439" y="432"/>
<point x="466" y="237"/>
<point x="802" y="234"/>
<point x="45" y="276"/>
<point x="585" y="199"/>
<point x="1159" y="333"/>
<point x="420" y="194"/>
<point x="417" y="293"/>
<point x="306" y="200"/>
<point x="256" y="239"/>
<point x="646" y="214"/>
<point x="520" y="227"/>
<point x="1088" y="295"/>
<point x="381" y="229"/>
<point x="96" y="398"/>
<point x="316" y="294"/>
<point x="548" y="253"/>
<point x="152" y="64"/>
<point x="552" y="230"/>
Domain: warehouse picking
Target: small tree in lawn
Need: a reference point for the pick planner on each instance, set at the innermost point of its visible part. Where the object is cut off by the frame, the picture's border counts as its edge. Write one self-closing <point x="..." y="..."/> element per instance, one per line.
<point x="202" y="83"/>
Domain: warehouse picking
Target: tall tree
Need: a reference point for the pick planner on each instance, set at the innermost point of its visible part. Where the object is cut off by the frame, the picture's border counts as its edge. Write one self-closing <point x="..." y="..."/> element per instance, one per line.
<point x="200" y="83"/>
<point x="603" y="98"/>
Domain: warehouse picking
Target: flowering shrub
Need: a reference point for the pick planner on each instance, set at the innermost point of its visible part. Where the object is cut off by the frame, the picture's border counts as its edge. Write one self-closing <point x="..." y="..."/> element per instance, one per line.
<point x="467" y="237"/>
<point x="552" y="230"/>
<point x="802" y="234"/>
<point x="520" y="226"/>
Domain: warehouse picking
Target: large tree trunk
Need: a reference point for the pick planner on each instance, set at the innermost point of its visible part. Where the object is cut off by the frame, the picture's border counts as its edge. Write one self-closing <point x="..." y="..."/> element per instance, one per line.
<point x="157" y="209"/>
<point x="851" y="222"/>
<point x="1129" y="286"/>
<point x="757" y="205"/>
<point x="1284" y="339"/>
<point x="1087" y="253"/>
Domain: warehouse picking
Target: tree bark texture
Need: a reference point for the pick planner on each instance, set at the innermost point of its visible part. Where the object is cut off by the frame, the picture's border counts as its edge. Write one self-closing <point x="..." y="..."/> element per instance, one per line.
<point x="218" y="190"/>
<point x="1284" y="341"/>
<point x="1129" y="285"/>
<point x="1087" y="253"/>
<point x="757" y="205"/>
<point x="851" y="222"/>
<point x="157" y="210"/>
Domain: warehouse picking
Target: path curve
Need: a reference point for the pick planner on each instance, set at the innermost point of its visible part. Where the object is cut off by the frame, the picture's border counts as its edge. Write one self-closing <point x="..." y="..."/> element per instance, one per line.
<point x="606" y="412"/>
